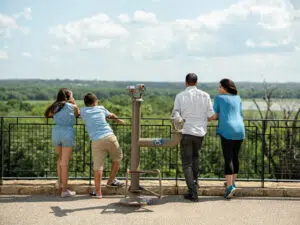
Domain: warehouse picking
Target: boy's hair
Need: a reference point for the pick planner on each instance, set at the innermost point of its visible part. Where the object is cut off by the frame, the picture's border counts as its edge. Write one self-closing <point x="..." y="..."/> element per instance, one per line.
<point x="90" y="99"/>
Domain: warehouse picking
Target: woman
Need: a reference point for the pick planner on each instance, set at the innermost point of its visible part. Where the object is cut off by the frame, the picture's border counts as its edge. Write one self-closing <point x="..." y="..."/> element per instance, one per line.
<point x="228" y="110"/>
<point x="64" y="111"/>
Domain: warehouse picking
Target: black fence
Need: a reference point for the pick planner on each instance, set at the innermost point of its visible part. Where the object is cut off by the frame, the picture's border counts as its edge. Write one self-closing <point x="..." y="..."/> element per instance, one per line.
<point x="271" y="150"/>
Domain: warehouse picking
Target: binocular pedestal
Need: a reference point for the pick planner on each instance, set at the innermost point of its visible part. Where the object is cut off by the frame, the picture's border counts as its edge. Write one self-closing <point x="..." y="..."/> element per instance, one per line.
<point x="133" y="194"/>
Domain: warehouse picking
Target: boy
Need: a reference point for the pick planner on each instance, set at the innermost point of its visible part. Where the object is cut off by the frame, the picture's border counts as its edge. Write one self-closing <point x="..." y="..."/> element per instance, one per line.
<point x="103" y="141"/>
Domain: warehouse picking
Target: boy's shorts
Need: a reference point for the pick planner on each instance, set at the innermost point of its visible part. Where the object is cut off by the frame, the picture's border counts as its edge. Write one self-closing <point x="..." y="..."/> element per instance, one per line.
<point x="101" y="147"/>
<point x="63" y="136"/>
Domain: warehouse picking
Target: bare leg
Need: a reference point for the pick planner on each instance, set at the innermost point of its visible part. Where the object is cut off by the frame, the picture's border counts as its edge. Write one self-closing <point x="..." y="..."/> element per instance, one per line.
<point x="115" y="166"/>
<point x="234" y="178"/>
<point x="97" y="180"/>
<point x="58" y="150"/>
<point x="66" y="155"/>
<point x="229" y="180"/>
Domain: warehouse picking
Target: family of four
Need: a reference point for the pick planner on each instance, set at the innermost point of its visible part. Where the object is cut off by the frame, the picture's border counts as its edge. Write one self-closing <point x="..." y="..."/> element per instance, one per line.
<point x="193" y="106"/>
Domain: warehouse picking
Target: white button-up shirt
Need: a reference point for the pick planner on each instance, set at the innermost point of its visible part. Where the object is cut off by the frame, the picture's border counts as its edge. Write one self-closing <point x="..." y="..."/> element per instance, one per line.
<point x="194" y="107"/>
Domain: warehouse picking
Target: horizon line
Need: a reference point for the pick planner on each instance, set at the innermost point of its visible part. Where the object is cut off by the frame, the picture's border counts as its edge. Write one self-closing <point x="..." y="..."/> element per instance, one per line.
<point x="53" y="79"/>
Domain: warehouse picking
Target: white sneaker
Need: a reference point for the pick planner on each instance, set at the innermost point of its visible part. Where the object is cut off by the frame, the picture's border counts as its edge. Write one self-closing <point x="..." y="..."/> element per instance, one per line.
<point x="57" y="185"/>
<point x="68" y="193"/>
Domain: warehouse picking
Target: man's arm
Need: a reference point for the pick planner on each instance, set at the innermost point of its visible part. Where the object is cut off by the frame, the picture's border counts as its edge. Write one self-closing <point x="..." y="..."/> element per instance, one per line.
<point x="210" y="111"/>
<point x="176" y="113"/>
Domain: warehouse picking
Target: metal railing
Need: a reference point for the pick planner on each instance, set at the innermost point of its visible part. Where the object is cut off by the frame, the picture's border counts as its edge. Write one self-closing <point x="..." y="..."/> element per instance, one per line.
<point x="271" y="150"/>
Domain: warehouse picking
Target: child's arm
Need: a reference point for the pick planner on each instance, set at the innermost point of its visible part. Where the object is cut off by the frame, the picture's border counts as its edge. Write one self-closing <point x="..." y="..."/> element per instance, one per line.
<point x="75" y="107"/>
<point x="114" y="117"/>
<point x="76" y="111"/>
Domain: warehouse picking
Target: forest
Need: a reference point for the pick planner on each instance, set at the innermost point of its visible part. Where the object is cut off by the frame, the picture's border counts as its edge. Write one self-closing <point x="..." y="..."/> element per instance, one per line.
<point x="271" y="148"/>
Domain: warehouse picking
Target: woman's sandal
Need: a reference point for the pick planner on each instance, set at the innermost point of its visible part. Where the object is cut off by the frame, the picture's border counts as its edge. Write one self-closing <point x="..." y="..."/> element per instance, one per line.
<point x="95" y="195"/>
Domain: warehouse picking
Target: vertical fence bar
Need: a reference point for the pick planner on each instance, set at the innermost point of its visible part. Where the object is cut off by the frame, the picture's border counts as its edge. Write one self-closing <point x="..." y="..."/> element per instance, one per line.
<point x="2" y="151"/>
<point x="177" y="169"/>
<point x="90" y="172"/>
<point x="263" y="150"/>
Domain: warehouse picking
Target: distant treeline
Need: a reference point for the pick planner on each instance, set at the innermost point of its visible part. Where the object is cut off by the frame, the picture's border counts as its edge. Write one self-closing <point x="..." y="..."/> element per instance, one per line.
<point x="37" y="89"/>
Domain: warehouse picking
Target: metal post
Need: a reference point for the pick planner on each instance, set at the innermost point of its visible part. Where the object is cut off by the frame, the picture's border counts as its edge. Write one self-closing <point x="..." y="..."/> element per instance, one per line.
<point x="2" y="152"/>
<point x="135" y="149"/>
<point x="263" y="149"/>
<point x="137" y="142"/>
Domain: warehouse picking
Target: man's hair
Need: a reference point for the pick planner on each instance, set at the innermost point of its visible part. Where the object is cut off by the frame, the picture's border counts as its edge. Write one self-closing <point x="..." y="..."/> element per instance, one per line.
<point x="191" y="79"/>
<point x="90" y="99"/>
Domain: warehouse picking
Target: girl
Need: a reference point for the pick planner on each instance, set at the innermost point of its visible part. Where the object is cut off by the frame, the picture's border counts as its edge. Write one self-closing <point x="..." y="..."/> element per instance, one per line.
<point x="228" y="109"/>
<point x="64" y="111"/>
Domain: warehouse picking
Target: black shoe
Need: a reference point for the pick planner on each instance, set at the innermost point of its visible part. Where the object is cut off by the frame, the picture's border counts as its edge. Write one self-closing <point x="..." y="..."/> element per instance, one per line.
<point x="190" y="197"/>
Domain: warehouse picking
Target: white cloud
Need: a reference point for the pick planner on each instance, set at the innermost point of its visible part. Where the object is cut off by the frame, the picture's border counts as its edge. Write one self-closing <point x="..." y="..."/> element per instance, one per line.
<point x="9" y="23"/>
<point x="124" y="18"/>
<point x="247" y="27"/>
<point x="88" y="31"/>
<point x="296" y="4"/>
<point x="26" y="14"/>
<point x="144" y="17"/>
<point x="269" y="44"/>
<point x="56" y="47"/>
<point x="26" y="54"/>
<point x="3" y="55"/>
<point x="51" y="59"/>
<point x="104" y="43"/>
<point x="270" y="14"/>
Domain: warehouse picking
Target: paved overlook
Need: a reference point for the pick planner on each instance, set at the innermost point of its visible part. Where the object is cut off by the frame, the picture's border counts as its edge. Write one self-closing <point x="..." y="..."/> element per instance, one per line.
<point x="45" y="209"/>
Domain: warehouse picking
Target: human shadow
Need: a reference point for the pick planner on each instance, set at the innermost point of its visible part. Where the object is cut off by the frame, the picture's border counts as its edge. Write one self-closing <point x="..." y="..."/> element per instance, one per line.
<point x="202" y="199"/>
<point x="112" y="208"/>
<point x="180" y="198"/>
<point x="40" y="198"/>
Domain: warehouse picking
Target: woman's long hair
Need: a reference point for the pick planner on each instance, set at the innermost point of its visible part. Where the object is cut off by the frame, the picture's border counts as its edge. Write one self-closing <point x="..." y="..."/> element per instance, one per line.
<point x="62" y="97"/>
<point x="229" y="86"/>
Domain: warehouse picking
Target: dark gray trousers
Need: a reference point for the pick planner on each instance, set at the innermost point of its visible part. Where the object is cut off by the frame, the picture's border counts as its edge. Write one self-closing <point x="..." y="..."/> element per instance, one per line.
<point x="190" y="147"/>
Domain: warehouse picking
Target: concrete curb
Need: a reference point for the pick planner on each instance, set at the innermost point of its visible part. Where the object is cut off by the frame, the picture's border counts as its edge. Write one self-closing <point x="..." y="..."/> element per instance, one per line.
<point x="49" y="189"/>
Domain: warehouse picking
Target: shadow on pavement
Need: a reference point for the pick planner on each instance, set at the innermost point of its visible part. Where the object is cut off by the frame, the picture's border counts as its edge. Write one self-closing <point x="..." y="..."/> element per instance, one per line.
<point x="179" y="198"/>
<point x="202" y="199"/>
<point x="40" y="198"/>
<point x="112" y="208"/>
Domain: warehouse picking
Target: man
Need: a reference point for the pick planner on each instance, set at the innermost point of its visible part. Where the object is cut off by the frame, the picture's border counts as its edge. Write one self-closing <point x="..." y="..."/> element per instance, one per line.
<point x="194" y="107"/>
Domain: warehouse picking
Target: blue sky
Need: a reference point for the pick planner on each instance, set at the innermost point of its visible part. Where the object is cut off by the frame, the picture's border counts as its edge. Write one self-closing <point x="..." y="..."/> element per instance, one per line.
<point x="150" y="40"/>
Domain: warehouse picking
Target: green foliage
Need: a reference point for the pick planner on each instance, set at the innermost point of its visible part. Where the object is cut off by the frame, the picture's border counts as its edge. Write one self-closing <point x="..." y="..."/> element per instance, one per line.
<point x="32" y="153"/>
<point x="47" y="89"/>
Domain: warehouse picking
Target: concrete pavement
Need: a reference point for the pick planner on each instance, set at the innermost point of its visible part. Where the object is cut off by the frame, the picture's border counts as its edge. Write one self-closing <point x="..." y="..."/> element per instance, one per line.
<point x="47" y="209"/>
<point x="169" y="187"/>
